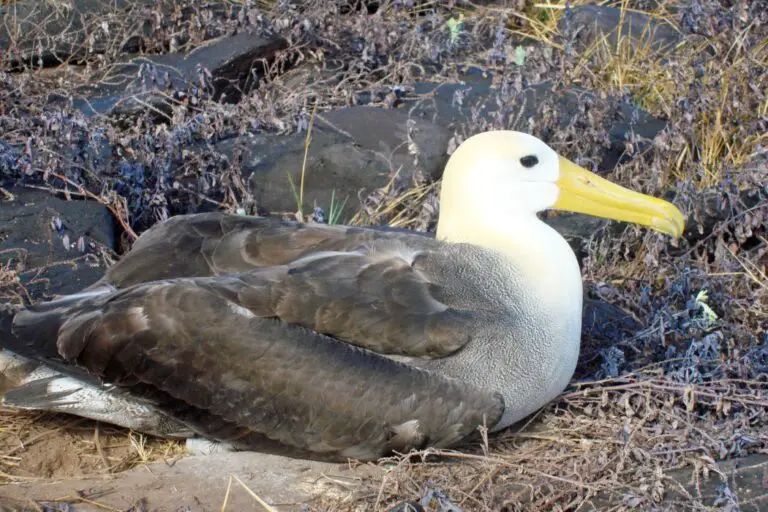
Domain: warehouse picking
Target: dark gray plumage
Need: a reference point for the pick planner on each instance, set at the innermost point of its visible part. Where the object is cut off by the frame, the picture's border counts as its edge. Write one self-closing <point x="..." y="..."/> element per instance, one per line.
<point x="246" y="351"/>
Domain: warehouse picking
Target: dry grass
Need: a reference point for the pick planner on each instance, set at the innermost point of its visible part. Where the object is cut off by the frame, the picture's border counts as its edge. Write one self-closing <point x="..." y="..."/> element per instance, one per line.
<point x="727" y="92"/>
<point x="36" y="446"/>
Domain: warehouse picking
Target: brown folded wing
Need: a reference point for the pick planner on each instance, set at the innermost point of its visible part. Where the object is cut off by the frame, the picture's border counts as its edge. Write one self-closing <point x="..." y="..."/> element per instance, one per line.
<point x="384" y="291"/>
<point x="245" y="329"/>
<point x="186" y="346"/>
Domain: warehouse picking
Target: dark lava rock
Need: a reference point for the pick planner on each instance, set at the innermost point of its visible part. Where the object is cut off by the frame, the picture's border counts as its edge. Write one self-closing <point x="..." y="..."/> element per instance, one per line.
<point x="590" y="23"/>
<point x="602" y="326"/>
<point x="737" y="483"/>
<point x="39" y="238"/>
<point x="9" y="157"/>
<point x="576" y="228"/>
<point x="223" y="68"/>
<point x="352" y="152"/>
<point x="36" y="263"/>
<point x="42" y="34"/>
<point x="60" y="32"/>
<point x="742" y="476"/>
<point x="459" y="103"/>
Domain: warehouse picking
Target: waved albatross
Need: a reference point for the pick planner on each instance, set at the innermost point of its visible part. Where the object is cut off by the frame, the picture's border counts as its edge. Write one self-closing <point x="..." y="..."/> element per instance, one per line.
<point x="335" y="342"/>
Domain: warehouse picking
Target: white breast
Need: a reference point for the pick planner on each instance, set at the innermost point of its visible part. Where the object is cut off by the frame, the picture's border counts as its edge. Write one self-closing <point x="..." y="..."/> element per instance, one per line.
<point x="529" y="353"/>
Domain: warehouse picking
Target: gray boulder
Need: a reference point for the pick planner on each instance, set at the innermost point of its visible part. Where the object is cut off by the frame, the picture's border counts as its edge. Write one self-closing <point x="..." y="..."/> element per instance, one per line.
<point x="223" y="68"/>
<point x="590" y="23"/>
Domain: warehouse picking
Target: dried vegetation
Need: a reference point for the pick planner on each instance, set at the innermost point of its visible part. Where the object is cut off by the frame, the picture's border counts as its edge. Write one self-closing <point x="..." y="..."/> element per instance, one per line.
<point x="688" y="390"/>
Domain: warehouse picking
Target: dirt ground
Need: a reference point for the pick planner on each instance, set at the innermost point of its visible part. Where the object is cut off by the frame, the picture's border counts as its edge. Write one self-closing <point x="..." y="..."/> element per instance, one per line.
<point x="254" y="481"/>
<point x="60" y="446"/>
<point x="231" y="481"/>
<point x="60" y="460"/>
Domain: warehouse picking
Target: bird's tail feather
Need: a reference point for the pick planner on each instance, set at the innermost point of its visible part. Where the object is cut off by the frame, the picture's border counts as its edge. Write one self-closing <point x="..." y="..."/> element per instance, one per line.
<point x="62" y="394"/>
<point x="36" y="328"/>
<point x="47" y="394"/>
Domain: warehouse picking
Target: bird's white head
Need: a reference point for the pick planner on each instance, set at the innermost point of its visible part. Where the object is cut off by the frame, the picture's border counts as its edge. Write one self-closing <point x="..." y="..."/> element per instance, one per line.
<point x="499" y="178"/>
<point x="493" y="186"/>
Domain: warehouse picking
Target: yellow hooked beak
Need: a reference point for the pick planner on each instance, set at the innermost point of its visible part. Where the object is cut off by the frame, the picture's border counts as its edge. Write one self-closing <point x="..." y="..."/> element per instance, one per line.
<point x="582" y="191"/>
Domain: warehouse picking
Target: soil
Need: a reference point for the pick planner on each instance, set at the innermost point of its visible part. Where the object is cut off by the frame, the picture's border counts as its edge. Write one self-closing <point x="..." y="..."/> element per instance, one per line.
<point x="226" y="481"/>
<point x="37" y="445"/>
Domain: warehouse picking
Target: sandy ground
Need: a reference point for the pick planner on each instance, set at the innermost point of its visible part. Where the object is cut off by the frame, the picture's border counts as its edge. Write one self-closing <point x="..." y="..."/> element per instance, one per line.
<point x="199" y="483"/>
<point x="253" y="481"/>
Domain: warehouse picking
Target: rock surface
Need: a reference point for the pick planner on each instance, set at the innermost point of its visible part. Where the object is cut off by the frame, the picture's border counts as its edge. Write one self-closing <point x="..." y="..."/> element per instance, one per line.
<point x="224" y="68"/>
<point x="44" y="34"/>
<point x="61" y="31"/>
<point x="48" y="246"/>
<point x="745" y="477"/>
<point x="636" y="31"/>
<point x="352" y="152"/>
<point x="43" y="250"/>
<point x="458" y="103"/>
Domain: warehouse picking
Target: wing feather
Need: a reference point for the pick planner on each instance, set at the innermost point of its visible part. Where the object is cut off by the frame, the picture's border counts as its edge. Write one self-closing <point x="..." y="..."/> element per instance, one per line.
<point x="376" y="301"/>
<point x="376" y="289"/>
<point x="248" y="379"/>
<point x="273" y="335"/>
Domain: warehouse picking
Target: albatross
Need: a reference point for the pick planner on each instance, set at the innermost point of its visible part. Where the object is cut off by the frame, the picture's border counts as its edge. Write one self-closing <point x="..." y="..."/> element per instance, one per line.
<point x="337" y="342"/>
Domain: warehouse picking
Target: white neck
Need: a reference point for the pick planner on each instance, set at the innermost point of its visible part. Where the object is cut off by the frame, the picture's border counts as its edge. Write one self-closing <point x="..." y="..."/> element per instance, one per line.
<point x="549" y="291"/>
<point x="528" y="243"/>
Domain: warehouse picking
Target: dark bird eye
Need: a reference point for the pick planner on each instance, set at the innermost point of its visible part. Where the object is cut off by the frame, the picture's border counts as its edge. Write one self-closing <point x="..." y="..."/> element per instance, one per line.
<point x="529" y="161"/>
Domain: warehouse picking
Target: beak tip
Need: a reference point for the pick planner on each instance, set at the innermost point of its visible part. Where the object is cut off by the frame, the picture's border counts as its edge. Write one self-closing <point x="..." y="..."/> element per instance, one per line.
<point x="672" y="224"/>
